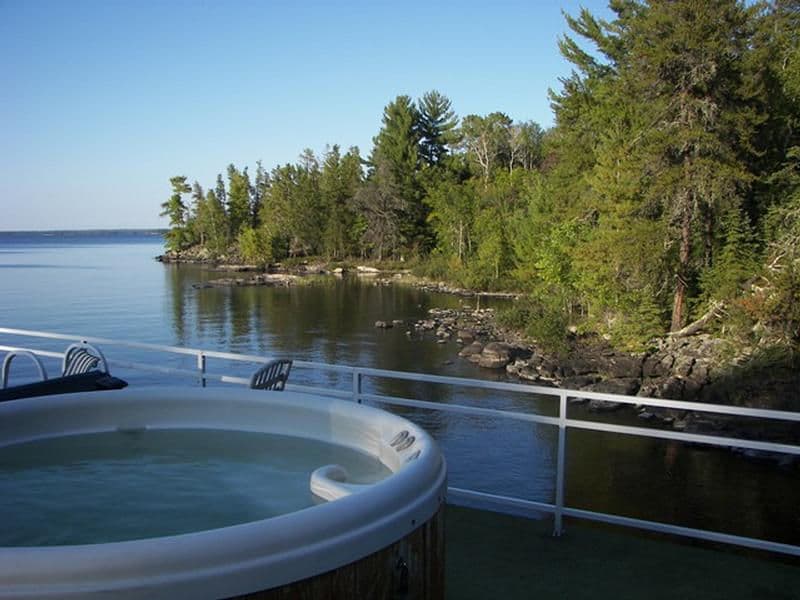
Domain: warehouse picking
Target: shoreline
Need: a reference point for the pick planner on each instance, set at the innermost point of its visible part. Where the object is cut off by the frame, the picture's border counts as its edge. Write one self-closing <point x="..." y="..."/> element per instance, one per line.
<point x="696" y="368"/>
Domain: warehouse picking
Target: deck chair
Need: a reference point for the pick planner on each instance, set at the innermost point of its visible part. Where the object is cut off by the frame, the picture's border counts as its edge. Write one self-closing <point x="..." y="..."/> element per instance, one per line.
<point x="272" y="376"/>
<point x="82" y="358"/>
<point x="84" y="369"/>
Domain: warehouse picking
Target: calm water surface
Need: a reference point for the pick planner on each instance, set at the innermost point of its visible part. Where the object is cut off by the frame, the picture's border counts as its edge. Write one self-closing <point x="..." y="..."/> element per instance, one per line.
<point x="115" y="486"/>
<point x="109" y="286"/>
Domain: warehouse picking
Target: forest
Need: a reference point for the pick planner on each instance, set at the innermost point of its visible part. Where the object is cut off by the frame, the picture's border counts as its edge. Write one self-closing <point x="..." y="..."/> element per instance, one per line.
<point x="665" y="198"/>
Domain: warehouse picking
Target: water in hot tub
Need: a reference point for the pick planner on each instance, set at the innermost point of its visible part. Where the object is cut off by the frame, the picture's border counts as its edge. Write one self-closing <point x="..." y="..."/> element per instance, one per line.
<point x="114" y="486"/>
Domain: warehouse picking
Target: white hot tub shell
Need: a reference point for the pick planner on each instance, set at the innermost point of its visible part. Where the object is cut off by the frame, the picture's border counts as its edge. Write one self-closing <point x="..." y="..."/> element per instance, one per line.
<point x="357" y="521"/>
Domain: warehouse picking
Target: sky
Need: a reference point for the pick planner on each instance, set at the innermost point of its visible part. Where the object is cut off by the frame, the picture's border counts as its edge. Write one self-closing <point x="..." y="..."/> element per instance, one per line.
<point x="102" y="102"/>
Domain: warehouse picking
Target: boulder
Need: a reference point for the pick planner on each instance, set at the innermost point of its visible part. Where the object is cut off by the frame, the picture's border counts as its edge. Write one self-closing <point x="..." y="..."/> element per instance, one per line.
<point x="465" y="337"/>
<point x="657" y="365"/>
<point x="605" y="406"/>
<point x="579" y="382"/>
<point x="623" y="366"/>
<point x="523" y="370"/>
<point x="683" y="366"/>
<point x="473" y="349"/>
<point x="577" y="366"/>
<point x="495" y="355"/>
<point x="627" y="386"/>
<point x="670" y="388"/>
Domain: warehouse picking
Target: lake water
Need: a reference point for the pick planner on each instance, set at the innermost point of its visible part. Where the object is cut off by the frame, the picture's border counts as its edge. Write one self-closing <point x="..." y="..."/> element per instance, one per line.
<point x="108" y="285"/>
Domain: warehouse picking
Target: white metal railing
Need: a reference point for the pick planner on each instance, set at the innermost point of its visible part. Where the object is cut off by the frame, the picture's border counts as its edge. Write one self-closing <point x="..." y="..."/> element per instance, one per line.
<point x="482" y="499"/>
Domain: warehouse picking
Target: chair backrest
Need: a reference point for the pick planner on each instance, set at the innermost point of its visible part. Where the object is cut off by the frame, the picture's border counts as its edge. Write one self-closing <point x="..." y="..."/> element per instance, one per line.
<point x="7" y="366"/>
<point x="82" y="358"/>
<point x="272" y="376"/>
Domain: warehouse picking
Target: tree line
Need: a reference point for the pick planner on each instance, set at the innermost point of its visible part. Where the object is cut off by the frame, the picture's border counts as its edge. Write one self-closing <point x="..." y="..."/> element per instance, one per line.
<point x="667" y="190"/>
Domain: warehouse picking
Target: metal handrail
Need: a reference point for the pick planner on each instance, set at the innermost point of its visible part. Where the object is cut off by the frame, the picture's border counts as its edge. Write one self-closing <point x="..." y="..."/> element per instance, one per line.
<point x="561" y="421"/>
<point x="7" y="365"/>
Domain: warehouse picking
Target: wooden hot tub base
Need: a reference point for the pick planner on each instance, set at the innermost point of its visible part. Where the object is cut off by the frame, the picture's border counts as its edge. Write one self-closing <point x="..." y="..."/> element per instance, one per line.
<point x="412" y="567"/>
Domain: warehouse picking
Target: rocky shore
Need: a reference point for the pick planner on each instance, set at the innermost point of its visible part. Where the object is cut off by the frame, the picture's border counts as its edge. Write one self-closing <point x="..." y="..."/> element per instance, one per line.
<point x="697" y="368"/>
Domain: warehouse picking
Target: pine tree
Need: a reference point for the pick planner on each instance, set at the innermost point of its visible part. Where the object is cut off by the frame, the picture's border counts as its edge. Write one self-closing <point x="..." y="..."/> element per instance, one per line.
<point x="238" y="200"/>
<point x="437" y="127"/>
<point x="395" y="164"/>
<point x="177" y="237"/>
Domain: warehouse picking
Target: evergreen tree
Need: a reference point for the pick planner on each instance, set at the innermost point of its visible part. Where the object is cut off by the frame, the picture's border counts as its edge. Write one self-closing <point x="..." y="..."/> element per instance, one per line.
<point x="339" y="181"/>
<point x="395" y="164"/>
<point x="178" y="236"/>
<point x="437" y="127"/>
<point x="685" y="62"/>
<point x="197" y="219"/>
<point x="258" y="193"/>
<point x="238" y="200"/>
<point x="215" y="224"/>
<point x="381" y="208"/>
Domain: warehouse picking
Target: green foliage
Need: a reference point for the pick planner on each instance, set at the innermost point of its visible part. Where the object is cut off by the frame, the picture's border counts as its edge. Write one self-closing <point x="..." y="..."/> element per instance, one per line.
<point x="238" y="197"/>
<point x="487" y="141"/>
<point x="736" y="263"/>
<point x="671" y="180"/>
<point x="437" y="127"/>
<point x="452" y="217"/>
<point x="541" y="319"/>
<point x="255" y="246"/>
<point x="396" y="162"/>
<point x="179" y="235"/>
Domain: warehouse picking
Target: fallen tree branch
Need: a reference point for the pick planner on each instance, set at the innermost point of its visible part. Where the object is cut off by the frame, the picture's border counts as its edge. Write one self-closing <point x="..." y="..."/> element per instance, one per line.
<point x="716" y="310"/>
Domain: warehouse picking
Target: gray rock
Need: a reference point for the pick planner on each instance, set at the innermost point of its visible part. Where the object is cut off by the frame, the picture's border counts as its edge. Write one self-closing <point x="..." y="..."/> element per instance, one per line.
<point x="624" y="366"/>
<point x="579" y="382"/>
<point x="627" y="386"/>
<point x="658" y="365"/>
<point x="465" y="337"/>
<point x="495" y="355"/>
<point x="605" y="406"/>
<point x="683" y="366"/>
<point x="473" y="349"/>
<point x="383" y="324"/>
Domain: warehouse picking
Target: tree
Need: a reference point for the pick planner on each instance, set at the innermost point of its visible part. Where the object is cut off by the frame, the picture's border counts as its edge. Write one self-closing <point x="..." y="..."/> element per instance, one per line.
<point x="177" y="237"/>
<point x="525" y="145"/>
<point x="486" y="139"/>
<point x="215" y="224"/>
<point x="339" y="181"/>
<point x="396" y="161"/>
<point x="437" y="127"/>
<point x="238" y="197"/>
<point x="381" y="207"/>
<point x="196" y="222"/>
<point x="258" y="193"/>
<point x="453" y="207"/>
<point x="685" y="62"/>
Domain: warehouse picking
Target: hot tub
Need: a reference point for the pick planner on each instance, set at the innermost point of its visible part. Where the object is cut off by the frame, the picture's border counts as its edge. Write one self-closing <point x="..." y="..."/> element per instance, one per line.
<point x="376" y="539"/>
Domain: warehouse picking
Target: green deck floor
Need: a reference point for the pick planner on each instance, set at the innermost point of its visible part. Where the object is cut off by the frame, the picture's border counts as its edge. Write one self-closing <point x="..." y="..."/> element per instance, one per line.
<point x="497" y="556"/>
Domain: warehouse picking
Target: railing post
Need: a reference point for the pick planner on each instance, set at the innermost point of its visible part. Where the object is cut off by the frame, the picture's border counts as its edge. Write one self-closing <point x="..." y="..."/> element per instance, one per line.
<point x="201" y="366"/>
<point x="356" y="386"/>
<point x="558" y="527"/>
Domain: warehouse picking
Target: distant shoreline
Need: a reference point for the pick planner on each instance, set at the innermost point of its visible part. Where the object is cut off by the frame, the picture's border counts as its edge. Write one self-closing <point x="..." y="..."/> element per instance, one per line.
<point x="69" y="232"/>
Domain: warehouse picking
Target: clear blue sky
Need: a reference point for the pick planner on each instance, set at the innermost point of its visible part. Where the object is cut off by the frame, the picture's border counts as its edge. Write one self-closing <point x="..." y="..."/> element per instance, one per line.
<point x="102" y="102"/>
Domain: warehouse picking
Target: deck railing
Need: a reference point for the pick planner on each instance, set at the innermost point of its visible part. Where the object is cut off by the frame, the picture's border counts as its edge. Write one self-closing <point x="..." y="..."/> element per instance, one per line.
<point x="458" y="495"/>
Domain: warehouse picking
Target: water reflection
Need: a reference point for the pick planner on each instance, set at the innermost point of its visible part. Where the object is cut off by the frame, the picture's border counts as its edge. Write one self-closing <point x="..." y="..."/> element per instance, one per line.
<point x="332" y="320"/>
